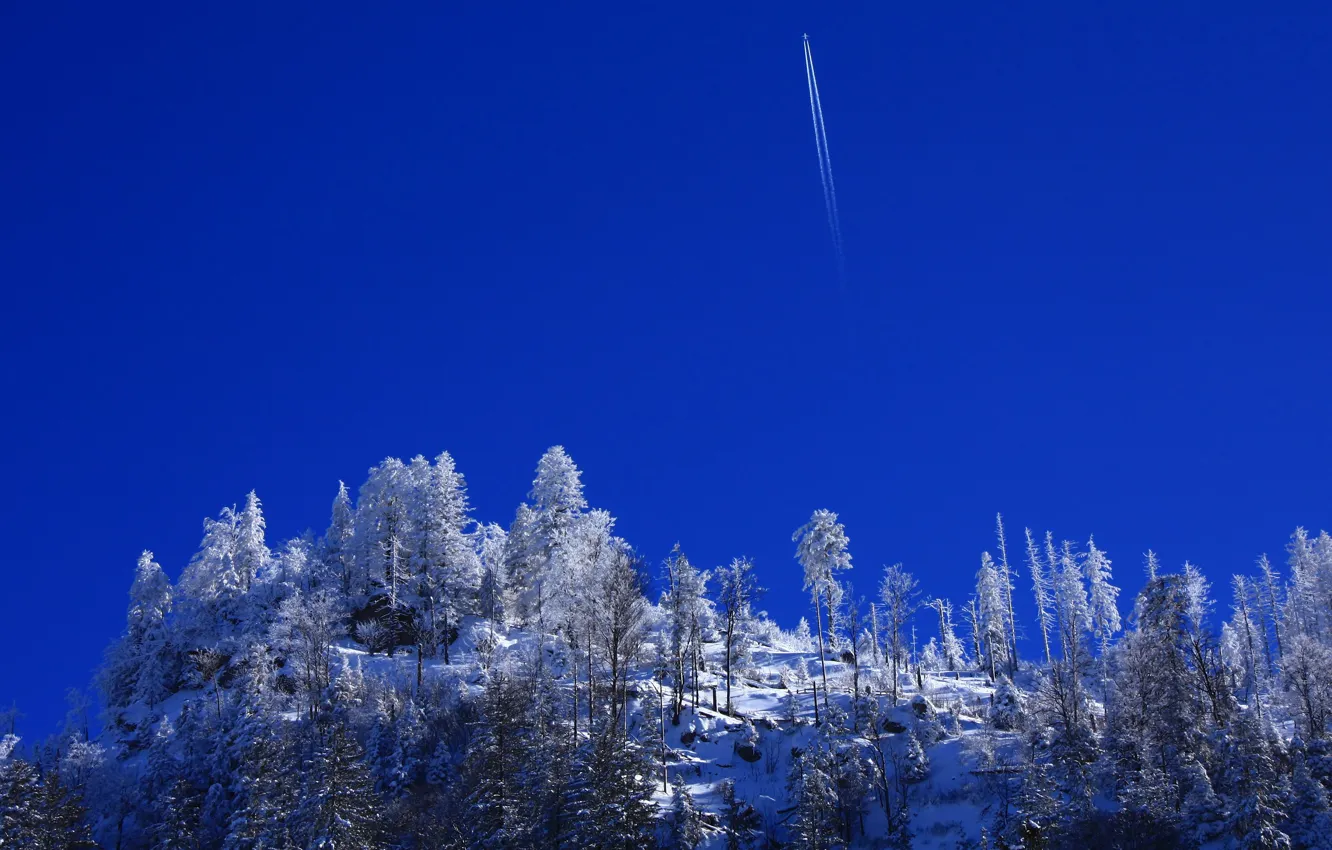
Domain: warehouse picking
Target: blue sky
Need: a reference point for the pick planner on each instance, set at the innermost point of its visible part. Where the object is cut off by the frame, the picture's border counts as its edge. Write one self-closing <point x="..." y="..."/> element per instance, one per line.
<point x="254" y="247"/>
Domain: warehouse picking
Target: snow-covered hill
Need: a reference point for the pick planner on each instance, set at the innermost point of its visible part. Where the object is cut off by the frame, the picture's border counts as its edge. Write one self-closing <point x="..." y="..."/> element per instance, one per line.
<point x="416" y="679"/>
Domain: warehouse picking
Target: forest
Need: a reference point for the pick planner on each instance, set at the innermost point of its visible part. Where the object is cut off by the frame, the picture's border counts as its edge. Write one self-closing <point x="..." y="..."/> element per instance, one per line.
<point x="414" y="677"/>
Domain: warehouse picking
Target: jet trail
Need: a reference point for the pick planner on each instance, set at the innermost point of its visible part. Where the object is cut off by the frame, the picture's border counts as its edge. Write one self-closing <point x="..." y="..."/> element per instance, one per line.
<point x="825" y="160"/>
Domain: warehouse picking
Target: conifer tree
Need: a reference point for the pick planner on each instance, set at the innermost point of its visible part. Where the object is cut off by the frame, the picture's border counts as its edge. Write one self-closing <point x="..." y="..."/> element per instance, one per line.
<point x="540" y="536"/>
<point x="990" y="620"/>
<point x="739" y="820"/>
<point x="686" y="826"/>
<point x="1306" y="672"/>
<point x="178" y="814"/>
<point x="814" y="793"/>
<point x="900" y="600"/>
<point x="1245" y="628"/>
<point x="143" y="664"/>
<point x="684" y="601"/>
<point x="1006" y="575"/>
<point x="339" y="806"/>
<point x="609" y="801"/>
<point x="336" y="548"/>
<point x="822" y="549"/>
<point x="252" y="554"/>
<point x="1102" y="608"/>
<point x="736" y="594"/>
<point x="1271" y="610"/>
<point x="1202" y="810"/>
<point x="1040" y="585"/>
<point x="950" y="648"/>
<point x="1310" y="824"/>
<point x="1304" y="612"/>
<point x="210" y="586"/>
<point x="1256" y="812"/>
<point x="491" y="544"/>
<point x="382" y="534"/>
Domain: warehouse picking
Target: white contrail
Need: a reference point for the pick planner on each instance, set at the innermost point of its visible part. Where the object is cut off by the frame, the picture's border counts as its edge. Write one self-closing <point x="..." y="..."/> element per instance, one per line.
<point x="825" y="159"/>
<point x="818" y="142"/>
<point x="827" y="156"/>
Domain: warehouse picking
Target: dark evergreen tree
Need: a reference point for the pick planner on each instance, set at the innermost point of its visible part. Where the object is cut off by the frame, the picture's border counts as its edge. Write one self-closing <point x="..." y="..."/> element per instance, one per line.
<point x="264" y="795"/>
<point x="339" y="806"/>
<point x="37" y="812"/>
<point x="1310" y="824"/>
<point x="740" y="821"/>
<point x="609" y="803"/>
<point x="813" y="790"/>
<point x="178" y="811"/>
<point x="1256" y="805"/>
<point x="497" y="814"/>
<point x="686" y="827"/>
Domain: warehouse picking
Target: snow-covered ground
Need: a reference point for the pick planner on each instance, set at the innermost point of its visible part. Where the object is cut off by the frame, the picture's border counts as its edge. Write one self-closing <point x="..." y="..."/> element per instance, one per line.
<point x="704" y="748"/>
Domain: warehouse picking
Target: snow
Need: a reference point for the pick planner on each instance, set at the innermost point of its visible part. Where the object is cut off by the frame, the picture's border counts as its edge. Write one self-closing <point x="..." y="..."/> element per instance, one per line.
<point x="946" y="808"/>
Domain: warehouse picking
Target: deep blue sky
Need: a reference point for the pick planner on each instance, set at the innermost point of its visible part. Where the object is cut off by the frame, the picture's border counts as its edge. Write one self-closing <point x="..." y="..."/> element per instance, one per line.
<point x="253" y="247"/>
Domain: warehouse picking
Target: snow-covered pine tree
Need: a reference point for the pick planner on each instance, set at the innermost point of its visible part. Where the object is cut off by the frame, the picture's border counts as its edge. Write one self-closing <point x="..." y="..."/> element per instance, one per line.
<point x="1310" y="823"/>
<point x="210" y="587"/>
<point x="991" y="621"/>
<point x="339" y="806"/>
<point x="685" y="831"/>
<point x="822" y="549"/>
<point x="38" y="811"/>
<point x="445" y="570"/>
<point x="539" y="534"/>
<point x="143" y="664"/>
<point x="622" y="630"/>
<point x="382" y="535"/>
<point x="1157" y="703"/>
<point x="251" y="552"/>
<point x="1245" y="632"/>
<point x="494" y="768"/>
<point x="1270" y="595"/>
<point x="178" y="811"/>
<point x="801" y="637"/>
<point x="738" y="818"/>
<point x="264" y="795"/>
<point x="21" y="820"/>
<point x="683" y="600"/>
<point x="1203" y="812"/>
<point x="1074" y="615"/>
<point x="898" y="590"/>
<point x="1256" y="807"/>
<point x="1007" y="708"/>
<point x="1306" y="673"/>
<point x="1103" y="596"/>
<point x="951" y="651"/>
<point x="491" y="545"/>
<point x="609" y="802"/>
<point x="1040" y="586"/>
<point x="813" y="790"/>
<point x="1006" y="575"/>
<point x="1303" y="613"/>
<point x="306" y="624"/>
<point x="336" y="551"/>
<point x="737" y="590"/>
